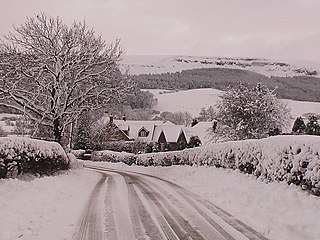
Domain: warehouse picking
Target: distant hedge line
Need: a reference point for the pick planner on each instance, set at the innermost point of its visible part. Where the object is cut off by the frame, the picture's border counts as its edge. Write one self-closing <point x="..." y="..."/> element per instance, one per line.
<point x="29" y="156"/>
<point x="293" y="159"/>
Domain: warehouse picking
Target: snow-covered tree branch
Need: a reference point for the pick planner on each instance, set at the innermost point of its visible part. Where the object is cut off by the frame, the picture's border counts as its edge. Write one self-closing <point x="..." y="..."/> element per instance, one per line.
<point x="249" y="113"/>
<point x="53" y="72"/>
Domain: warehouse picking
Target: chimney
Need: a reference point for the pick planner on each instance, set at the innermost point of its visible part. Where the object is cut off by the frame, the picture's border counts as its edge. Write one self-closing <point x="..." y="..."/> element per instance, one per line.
<point x="124" y="118"/>
<point x="111" y="118"/>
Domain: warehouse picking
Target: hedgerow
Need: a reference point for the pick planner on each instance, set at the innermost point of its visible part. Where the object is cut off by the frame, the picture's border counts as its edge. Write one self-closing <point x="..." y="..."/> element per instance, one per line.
<point x="20" y="155"/>
<point x="293" y="159"/>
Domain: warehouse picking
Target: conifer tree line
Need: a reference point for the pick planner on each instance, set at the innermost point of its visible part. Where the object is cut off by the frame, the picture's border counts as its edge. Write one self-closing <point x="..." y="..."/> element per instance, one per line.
<point x="294" y="88"/>
<point x="312" y="127"/>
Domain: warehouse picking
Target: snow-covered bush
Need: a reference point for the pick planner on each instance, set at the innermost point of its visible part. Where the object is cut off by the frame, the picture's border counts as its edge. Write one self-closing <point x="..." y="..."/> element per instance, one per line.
<point x="25" y="155"/>
<point x="74" y="163"/>
<point x="249" y="113"/>
<point x="293" y="159"/>
<point x="79" y="154"/>
<point x="125" y="146"/>
<point x="111" y="156"/>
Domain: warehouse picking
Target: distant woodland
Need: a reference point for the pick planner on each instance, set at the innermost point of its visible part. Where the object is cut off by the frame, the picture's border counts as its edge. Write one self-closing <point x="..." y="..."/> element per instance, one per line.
<point x="296" y="88"/>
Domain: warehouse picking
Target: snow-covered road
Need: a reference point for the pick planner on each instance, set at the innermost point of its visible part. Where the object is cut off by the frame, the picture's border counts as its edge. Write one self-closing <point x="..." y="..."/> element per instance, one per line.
<point x="139" y="206"/>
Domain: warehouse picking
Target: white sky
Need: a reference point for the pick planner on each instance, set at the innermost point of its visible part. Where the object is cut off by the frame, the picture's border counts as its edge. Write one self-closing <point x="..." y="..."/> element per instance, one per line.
<point x="280" y="29"/>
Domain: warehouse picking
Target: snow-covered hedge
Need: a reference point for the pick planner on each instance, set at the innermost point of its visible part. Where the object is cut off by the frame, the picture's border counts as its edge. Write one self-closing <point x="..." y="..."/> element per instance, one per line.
<point x="111" y="156"/>
<point x="294" y="159"/>
<point x="25" y="155"/>
<point x="79" y="154"/>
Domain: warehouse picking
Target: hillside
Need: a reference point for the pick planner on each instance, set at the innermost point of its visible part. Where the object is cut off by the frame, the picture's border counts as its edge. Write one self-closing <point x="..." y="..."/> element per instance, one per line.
<point x="301" y="88"/>
<point x="139" y="64"/>
<point x="193" y="100"/>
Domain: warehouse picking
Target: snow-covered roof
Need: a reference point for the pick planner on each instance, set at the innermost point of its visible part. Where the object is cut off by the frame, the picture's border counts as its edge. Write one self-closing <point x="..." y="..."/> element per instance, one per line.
<point x="201" y="130"/>
<point x="133" y="127"/>
<point x="171" y="132"/>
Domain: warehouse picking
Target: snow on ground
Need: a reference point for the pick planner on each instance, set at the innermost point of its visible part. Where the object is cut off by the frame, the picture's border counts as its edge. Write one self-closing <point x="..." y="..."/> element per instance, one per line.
<point x="193" y="100"/>
<point x="140" y="64"/>
<point x="10" y="115"/>
<point x="298" y="108"/>
<point x="185" y="101"/>
<point x="7" y="128"/>
<point x="280" y="211"/>
<point x="44" y="208"/>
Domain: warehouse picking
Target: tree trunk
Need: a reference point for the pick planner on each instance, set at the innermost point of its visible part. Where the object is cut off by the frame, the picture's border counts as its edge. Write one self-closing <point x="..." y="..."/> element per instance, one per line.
<point x="57" y="130"/>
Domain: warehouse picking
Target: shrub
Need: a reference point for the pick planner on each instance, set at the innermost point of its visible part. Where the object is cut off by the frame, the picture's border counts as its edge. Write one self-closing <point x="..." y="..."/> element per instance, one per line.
<point x="79" y="154"/>
<point x="123" y="146"/>
<point x="194" y="142"/>
<point x="293" y="159"/>
<point x="24" y="155"/>
<point x="249" y="113"/>
<point x="110" y="156"/>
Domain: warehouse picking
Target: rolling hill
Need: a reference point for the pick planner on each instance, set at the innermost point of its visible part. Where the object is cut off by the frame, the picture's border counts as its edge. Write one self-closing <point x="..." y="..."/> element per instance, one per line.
<point x="193" y="100"/>
<point x="140" y="64"/>
<point x="300" y="88"/>
<point x="292" y="81"/>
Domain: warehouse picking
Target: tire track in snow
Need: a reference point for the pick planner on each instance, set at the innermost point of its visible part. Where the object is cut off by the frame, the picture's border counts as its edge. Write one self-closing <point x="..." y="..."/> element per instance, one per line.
<point x="120" y="208"/>
<point x="243" y="228"/>
<point x="90" y="225"/>
<point x="180" y="226"/>
<point x="140" y="217"/>
<point x="192" y="209"/>
<point x="171" y="222"/>
<point x="110" y="227"/>
<point x="163" y="211"/>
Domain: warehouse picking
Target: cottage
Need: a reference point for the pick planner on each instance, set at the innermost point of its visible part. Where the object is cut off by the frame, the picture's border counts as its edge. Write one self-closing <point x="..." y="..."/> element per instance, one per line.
<point x="162" y="132"/>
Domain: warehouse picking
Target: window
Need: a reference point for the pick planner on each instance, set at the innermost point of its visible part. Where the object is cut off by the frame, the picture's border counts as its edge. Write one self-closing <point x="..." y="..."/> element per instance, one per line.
<point x="143" y="133"/>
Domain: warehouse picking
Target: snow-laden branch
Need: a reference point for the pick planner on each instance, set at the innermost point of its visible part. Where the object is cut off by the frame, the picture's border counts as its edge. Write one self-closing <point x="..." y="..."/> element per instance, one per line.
<point x="53" y="71"/>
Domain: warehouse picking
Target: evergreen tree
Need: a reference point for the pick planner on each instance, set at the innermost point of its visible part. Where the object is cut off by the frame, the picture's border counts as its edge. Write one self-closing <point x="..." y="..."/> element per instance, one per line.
<point x="299" y="126"/>
<point x="313" y="127"/>
<point x="203" y="116"/>
<point x="211" y="113"/>
<point x="194" y="142"/>
<point x="83" y="133"/>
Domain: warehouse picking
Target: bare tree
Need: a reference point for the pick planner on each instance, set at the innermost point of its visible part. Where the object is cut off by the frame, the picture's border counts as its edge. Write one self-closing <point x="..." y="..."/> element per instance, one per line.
<point x="53" y="72"/>
<point x="182" y="118"/>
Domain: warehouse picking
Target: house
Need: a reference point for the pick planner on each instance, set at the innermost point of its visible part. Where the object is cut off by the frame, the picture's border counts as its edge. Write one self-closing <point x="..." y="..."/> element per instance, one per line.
<point x="174" y="135"/>
<point x="160" y="132"/>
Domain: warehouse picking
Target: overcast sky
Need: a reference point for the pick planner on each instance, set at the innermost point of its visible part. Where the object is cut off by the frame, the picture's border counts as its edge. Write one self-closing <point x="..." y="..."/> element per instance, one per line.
<point x="278" y="29"/>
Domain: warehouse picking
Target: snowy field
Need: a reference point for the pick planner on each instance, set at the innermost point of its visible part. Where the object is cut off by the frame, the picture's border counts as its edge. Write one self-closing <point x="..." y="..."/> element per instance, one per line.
<point x="144" y="64"/>
<point x="193" y="100"/>
<point x="280" y="211"/>
<point x="44" y="208"/>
